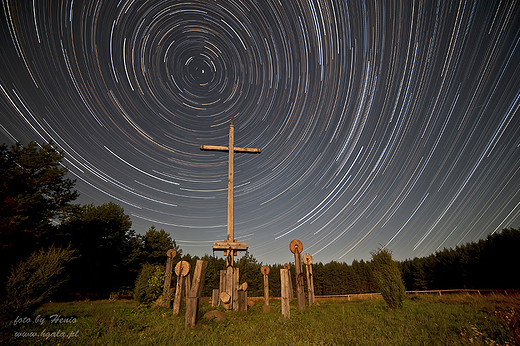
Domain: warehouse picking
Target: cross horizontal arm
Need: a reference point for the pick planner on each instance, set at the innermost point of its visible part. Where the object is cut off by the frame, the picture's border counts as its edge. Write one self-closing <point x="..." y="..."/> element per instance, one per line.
<point x="226" y="149"/>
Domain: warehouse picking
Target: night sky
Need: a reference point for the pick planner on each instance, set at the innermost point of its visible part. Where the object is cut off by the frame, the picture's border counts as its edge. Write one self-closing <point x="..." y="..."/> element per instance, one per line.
<point x="389" y="123"/>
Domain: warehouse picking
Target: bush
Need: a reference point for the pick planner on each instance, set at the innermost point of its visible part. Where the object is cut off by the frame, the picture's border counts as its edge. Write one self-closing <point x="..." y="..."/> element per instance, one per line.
<point x="149" y="284"/>
<point x="34" y="280"/>
<point x="387" y="277"/>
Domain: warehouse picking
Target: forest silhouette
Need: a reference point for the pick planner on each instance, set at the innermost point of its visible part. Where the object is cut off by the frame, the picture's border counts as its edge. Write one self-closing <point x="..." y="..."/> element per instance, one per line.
<point x="105" y="256"/>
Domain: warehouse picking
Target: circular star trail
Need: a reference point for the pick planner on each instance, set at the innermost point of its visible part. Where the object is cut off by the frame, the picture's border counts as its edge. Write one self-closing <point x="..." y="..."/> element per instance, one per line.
<point x="380" y="123"/>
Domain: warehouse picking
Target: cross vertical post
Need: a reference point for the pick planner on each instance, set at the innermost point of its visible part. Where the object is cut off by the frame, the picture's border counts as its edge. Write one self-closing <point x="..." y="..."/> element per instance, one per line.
<point x="229" y="279"/>
<point x="231" y="189"/>
<point x="230" y="245"/>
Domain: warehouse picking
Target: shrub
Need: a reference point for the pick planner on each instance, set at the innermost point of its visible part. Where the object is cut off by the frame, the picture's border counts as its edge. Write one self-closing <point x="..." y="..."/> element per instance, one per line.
<point x="34" y="280"/>
<point x="149" y="284"/>
<point x="387" y="277"/>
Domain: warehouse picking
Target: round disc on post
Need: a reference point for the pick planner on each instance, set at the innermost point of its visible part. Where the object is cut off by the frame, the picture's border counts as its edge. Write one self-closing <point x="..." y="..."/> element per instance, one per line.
<point x="307" y="258"/>
<point x="265" y="270"/>
<point x="296" y="246"/>
<point x="182" y="268"/>
<point x="286" y="266"/>
<point x="243" y="287"/>
<point x="171" y="253"/>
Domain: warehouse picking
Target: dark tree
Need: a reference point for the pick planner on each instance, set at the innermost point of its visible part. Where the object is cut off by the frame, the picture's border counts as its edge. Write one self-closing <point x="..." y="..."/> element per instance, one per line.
<point x="250" y="273"/>
<point x="35" y="195"/>
<point x="103" y="238"/>
<point x="155" y="244"/>
<point x="212" y="279"/>
<point x="318" y="272"/>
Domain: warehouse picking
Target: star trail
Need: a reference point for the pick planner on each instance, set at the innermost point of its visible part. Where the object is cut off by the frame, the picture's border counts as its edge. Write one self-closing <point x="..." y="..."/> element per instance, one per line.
<point x="391" y="123"/>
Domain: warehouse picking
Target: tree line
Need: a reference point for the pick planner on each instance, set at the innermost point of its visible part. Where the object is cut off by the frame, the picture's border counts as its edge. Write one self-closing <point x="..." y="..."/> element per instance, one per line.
<point x="486" y="264"/>
<point x="97" y="252"/>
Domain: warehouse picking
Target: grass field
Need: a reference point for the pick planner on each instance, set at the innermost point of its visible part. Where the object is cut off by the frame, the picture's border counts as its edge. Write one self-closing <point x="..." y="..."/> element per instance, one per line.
<point x="456" y="319"/>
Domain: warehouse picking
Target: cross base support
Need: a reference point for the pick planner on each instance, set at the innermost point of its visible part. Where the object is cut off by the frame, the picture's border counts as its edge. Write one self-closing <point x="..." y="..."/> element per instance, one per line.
<point x="227" y="245"/>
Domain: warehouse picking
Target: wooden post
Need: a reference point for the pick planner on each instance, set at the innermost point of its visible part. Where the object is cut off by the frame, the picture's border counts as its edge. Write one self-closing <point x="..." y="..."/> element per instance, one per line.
<point x="265" y="271"/>
<point x="300" y="287"/>
<point x="296" y="247"/>
<point x="165" y="299"/>
<point x="291" y="289"/>
<point x="215" y="300"/>
<point x="182" y="270"/>
<point x="180" y="291"/>
<point x="310" y="283"/>
<point x="307" y="259"/>
<point x="284" y="278"/>
<point x="236" y="281"/>
<point x="222" y="285"/>
<point x="242" y="297"/>
<point x="230" y="279"/>
<point x="169" y="267"/>
<point x="188" y="285"/>
<point x="231" y="194"/>
<point x="194" y="293"/>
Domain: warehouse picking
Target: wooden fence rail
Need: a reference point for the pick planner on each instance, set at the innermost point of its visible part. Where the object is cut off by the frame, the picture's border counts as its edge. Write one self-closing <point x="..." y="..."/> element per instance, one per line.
<point x="439" y="292"/>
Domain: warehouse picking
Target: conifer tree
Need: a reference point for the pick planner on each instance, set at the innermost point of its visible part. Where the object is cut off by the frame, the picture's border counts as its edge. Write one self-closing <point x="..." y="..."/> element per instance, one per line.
<point x="387" y="277"/>
<point x="35" y="195"/>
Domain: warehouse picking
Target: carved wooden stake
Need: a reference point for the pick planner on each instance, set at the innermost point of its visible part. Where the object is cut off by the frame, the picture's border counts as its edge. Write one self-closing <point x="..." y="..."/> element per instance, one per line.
<point x="296" y="247"/>
<point x="291" y="289"/>
<point x="165" y="300"/>
<point x="242" y="297"/>
<point x="194" y="293"/>
<point x="234" y="297"/>
<point x="222" y="285"/>
<point x="215" y="300"/>
<point x="307" y="259"/>
<point x="265" y="271"/>
<point x="285" y="277"/>
<point x="182" y="269"/>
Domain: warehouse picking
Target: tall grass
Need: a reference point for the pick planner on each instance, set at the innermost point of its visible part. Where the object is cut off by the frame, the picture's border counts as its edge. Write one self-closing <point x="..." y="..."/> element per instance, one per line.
<point x="425" y="320"/>
<point x="33" y="281"/>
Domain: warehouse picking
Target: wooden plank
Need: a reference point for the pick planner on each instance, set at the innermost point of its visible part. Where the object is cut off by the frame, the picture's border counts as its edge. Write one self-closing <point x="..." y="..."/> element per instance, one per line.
<point x="195" y="291"/>
<point x="214" y="148"/>
<point x="188" y="285"/>
<point x="222" y="285"/>
<point x="179" y="294"/>
<point x="168" y="277"/>
<point x="164" y="301"/>
<point x="291" y="289"/>
<point x="310" y="284"/>
<point x="242" y="301"/>
<point x="215" y="300"/>
<point x="236" y="280"/>
<point x="231" y="193"/>
<point x="284" y="278"/>
<point x="229" y="287"/>
<point x="192" y="308"/>
<point x="300" y="288"/>
<point x="226" y="149"/>
<point x="198" y="279"/>
<point x="266" y="290"/>
<point x="226" y="245"/>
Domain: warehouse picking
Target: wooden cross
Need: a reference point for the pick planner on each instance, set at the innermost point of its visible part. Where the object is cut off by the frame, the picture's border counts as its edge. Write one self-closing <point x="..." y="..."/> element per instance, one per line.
<point x="230" y="245"/>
